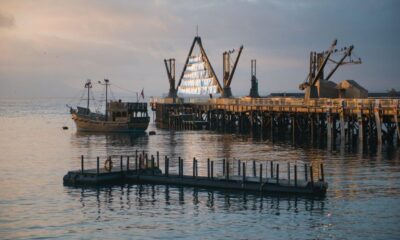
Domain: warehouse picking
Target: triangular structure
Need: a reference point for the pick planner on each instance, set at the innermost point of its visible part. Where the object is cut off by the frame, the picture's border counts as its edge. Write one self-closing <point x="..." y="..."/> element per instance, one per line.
<point x="198" y="76"/>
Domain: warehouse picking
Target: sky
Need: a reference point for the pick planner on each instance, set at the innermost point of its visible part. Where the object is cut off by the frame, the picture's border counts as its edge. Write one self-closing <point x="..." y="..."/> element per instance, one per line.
<point x="49" y="48"/>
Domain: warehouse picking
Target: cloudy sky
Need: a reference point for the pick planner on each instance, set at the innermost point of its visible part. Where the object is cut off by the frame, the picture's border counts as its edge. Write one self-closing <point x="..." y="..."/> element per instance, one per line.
<point x="49" y="48"/>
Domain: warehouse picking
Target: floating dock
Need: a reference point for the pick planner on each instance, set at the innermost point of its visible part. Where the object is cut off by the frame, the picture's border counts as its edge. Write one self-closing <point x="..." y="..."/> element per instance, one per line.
<point x="264" y="178"/>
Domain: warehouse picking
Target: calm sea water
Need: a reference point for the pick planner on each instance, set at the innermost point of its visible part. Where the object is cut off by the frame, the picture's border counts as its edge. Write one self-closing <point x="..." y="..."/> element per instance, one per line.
<point x="363" y="199"/>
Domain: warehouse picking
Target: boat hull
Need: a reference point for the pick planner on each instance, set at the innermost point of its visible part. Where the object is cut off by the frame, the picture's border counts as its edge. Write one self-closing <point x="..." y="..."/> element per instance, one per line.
<point x="91" y="125"/>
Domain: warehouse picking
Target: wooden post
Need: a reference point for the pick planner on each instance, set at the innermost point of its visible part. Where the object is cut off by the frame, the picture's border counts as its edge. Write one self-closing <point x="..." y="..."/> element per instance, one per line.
<point x="82" y="164"/>
<point x="322" y="172"/>
<point x="254" y="169"/>
<point x="197" y="169"/>
<point x="305" y="172"/>
<point x="127" y="163"/>
<point x="136" y="161"/>
<point x="98" y="166"/>
<point x="120" y="163"/>
<point x="208" y="168"/>
<point x="182" y="171"/>
<point x="244" y="172"/>
<point x="212" y="170"/>
<point x="166" y="166"/>
<point x="158" y="159"/>
<point x="277" y="173"/>
<point x="179" y="167"/>
<point x="295" y="175"/>
<point x="272" y="169"/>
<point x="311" y="176"/>
<point x="239" y="167"/>
<point x="261" y="167"/>
<point x="223" y="167"/>
<point x="194" y="167"/>
<point x="152" y="164"/>
<point x="288" y="171"/>
<point x="227" y="170"/>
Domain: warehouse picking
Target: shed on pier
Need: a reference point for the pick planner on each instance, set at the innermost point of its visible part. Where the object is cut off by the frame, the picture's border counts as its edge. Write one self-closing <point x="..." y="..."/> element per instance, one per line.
<point x="351" y="89"/>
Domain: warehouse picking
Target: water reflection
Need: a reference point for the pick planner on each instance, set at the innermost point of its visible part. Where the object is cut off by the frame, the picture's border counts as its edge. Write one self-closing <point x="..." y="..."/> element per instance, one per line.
<point x="152" y="198"/>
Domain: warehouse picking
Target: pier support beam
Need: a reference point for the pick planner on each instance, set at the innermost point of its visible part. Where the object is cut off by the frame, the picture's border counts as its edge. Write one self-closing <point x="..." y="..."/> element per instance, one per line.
<point x="329" y="129"/>
<point x="378" y="124"/>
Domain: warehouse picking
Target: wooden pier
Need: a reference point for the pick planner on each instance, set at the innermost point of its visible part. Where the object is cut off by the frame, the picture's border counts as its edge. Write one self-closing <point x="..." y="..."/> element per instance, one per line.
<point x="372" y="121"/>
<point x="229" y="175"/>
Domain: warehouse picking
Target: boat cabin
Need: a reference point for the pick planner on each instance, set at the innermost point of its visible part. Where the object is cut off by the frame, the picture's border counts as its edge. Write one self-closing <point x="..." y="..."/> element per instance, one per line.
<point x="119" y="111"/>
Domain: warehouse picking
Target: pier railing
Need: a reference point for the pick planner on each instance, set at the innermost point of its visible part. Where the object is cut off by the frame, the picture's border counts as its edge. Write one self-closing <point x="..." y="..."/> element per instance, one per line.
<point x="282" y="101"/>
<point x="287" y="173"/>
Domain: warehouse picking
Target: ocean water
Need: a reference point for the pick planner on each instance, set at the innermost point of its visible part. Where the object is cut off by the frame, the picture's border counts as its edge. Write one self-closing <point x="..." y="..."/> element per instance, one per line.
<point x="362" y="202"/>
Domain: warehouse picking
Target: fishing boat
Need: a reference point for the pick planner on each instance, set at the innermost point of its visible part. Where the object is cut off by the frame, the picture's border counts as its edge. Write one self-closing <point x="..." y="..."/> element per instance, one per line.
<point x="118" y="116"/>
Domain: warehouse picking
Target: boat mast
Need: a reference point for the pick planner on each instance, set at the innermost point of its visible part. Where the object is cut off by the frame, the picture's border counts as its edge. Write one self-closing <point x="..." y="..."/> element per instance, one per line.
<point x="106" y="83"/>
<point x="88" y="85"/>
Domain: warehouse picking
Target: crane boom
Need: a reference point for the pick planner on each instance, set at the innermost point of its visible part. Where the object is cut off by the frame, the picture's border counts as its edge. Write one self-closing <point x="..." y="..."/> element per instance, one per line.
<point x="347" y="53"/>
<point x="234" y="66"/>
<point x="321" y="68"/>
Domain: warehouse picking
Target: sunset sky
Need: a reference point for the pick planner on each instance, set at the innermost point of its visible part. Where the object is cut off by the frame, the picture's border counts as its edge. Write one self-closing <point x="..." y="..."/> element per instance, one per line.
<point x="49" y="48"/>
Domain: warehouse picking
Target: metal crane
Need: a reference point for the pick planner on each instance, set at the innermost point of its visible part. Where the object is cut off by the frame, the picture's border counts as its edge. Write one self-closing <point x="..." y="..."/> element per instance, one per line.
<point x="229" y="72"/>
<point x="318" y="62"/>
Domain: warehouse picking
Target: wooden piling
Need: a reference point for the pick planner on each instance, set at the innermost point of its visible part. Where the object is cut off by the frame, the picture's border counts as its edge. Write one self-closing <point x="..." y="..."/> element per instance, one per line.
<point x="194" y="168"/>
<point x="166" y="166"/>
<point x="239" y="167"/>
<point x="254" y="169"/>
<point x="322" y="173"/>
<point x="223" y="167"/>
<point x="295" y="175"/>
<point x="212" y="169"/>
<point x="272" y="169"/>
<point x="182" y="168"/>
<point x="82" y="164"/>
<point x="179" y="167"/>
<point x="244" y="173"/>
<point x="158" y="159"/>
<point x="277" y="173"/>
<point x="127" y="163"/>
<point x="227" y="170"/>
<point x="311" y="176"/>
<point x="120" y="163"/>
<point x="305" y="172"/>
<point x="98" y="166"/>
<point x="261" y="171"/>
<point x="208" y="168"/>
<point x="288" y="171"/>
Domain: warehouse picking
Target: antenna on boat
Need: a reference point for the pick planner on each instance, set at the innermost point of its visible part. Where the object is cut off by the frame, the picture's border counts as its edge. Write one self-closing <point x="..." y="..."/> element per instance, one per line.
<point x="88" y="85"/>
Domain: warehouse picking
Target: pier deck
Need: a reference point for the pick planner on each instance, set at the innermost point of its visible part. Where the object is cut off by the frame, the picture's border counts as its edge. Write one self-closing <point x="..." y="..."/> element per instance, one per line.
<point x="363" y="120"/>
